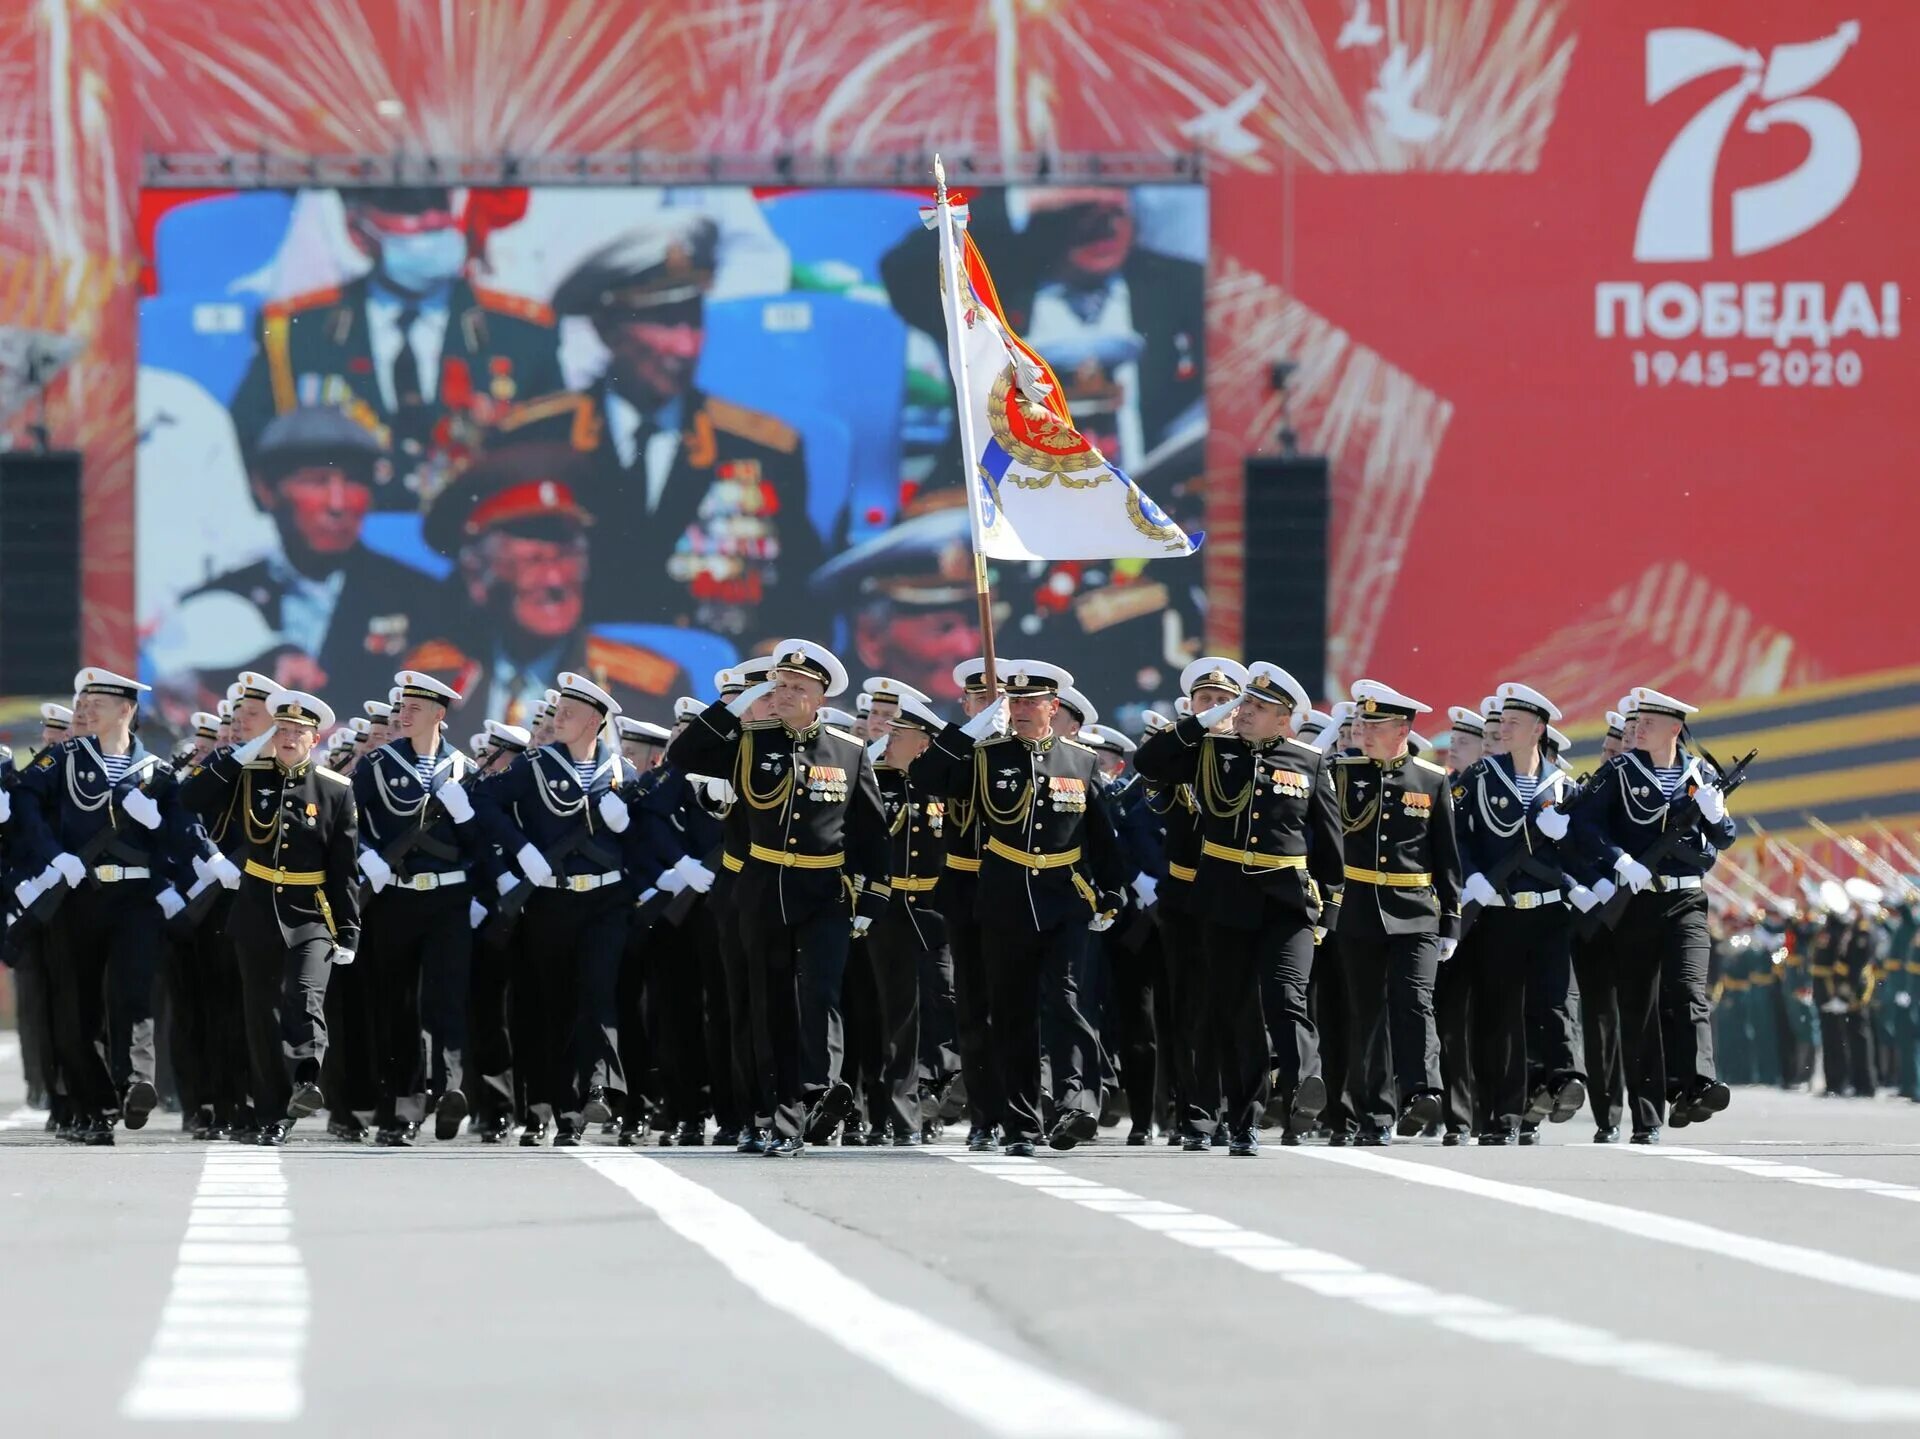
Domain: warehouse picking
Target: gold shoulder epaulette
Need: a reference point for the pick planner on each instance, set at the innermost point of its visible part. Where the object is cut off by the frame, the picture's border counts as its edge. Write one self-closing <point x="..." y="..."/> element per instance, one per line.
<point x="755" y="425"/>
<point x="1070" y="740"/>
<point x="844" y="734"/>
<point x="333" y="775"/>
<point x="1351" y="759"/>
<point x="521" y="307"/>
<point x="1428" y="764"/>
<point x="761" y="724"/>
<point x="260" y="764"/>
<point x="1302" y="744"/>
<point x="312" y="300"/>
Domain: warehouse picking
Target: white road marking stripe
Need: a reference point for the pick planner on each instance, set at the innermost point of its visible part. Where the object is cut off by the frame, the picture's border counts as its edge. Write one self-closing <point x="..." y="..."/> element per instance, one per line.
<point x="1774" y="1169"/>
<point x="1794" y="1259"/>
<point x="994" y="1390"/>
<point x="1801" y="1391"/>
<point x="233" y="1332"/>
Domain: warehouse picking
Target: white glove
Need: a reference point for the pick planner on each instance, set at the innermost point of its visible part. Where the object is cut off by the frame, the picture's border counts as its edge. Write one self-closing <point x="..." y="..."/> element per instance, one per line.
<point x="1479" y="890"/>
<point x="748" y="698"/>
<point x="719" y="791"/>
<point x="1712" y="801"/>
<point x="1146" y="889"/>
<point x="647" y="896"/>
<point x="1552" y="823"/>
<point x="877" y="751"/>
<point x="71" y="870"/>
<point x="1209" y="718"/>
<point x="201" y="869"/>
<point x="861" y="924"/>
<point x="508" y="882"/>
<point x="6" y="805"/>
<point x="1633" y="874"/>
<point x="533" y="864"/>
<point x="341" y="955"/>
<point x="1605" y="889"/>
<point x="253" y="748"/>
<point x="454" y="800"/>
<point x="1903" y="999"/>
<point x="672" y="881"/>
<point x="170" y="902"/>
<point x="1834" y="1006"/>
<point x="378" y="872"/>
<point x="1583" y="898"/>
<point x="476" y="914"/>
<point x="27" y="891"/>
<point x="613" y="811"/>
<point x="990" y="719"/>
<point x="140" y="808"/>
<point x="1447" y="947"/>
<point x="1100" y="923"/>
<point x="698" y="877"/>
<point x="224" y="870"/>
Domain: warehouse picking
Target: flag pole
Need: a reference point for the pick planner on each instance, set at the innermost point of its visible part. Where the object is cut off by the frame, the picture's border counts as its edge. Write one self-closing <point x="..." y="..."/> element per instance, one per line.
<point x="952" y="269"/>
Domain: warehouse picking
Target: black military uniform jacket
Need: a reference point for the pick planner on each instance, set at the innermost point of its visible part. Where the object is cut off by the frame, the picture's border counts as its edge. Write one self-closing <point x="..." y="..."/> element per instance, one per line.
<point x="538" y="800"/>
<point x="64" y="803"/>
<point x="1178" y="812"/>
<point x="1048" y="856"/>
<point x="283" y="827"/>
<point x="1402" y="856"/>
<point x="1628" y="812"/>
<point x="412" y="833"/>
<point x="1491" y="820"/>
<point x="1269" y="827"/>
<point x="813" y="817"/>
<point x="916" y="825"/>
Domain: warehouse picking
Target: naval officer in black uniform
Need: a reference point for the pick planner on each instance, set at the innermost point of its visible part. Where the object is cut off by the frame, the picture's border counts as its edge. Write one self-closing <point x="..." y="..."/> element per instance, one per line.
<point x="813" y="821"/>
<point x="1399" y="916"/>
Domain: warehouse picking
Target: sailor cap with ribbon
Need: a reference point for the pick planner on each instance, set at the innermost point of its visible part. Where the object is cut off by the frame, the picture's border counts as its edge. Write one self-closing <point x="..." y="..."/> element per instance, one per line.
<point x="412" y="684"/>
<point x="1274" y="685"/>
<point x="1629" y="705"/>
<point x="1616" y="725"/>
<point x="1154" y="722"/>
<point x="1105" y="738"/>
<point x="54" y="716"/>
<point x="95" y="681"/>
<point x="508" y="736"/>
<point x="1524" y="697"/>
<point x="834" y="715"/>
<point x="1468" y="721"/>
<point x="1490" y="709"/>
<point x="251" y="685"/>
<point x="579" y="687"/>
<point x="1555" y="741"/>
<point x="1342" y="714"/>
<point x="686" y="708"/>
<point x="917" y="714"/>
<point x="1078" y="705"/>
<point x="361" y="726"/>
<point x="735" y="678"/>
<point x="476" y="743"/>
<point x="816" y="662"/>
<point x="1034" y="678"/>
<point x="206" y="725"/>
<point x="1183" y="707"/>
<point x="378" y="710"/>
<point x="297" y="707"/>
<point x="1652" y="702"/>
<point x="1316" y="723"/>
<point x="971" y="675"/>
<point x="225" y="710"/>
<point x="1213" y="672"/>
<point x="885" y="687"/>
<point x="1374" y="702"/>
<point x="645" y="731"/>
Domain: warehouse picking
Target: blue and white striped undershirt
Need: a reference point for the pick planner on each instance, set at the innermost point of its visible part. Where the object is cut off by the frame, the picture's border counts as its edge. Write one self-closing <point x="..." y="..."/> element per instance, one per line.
<point x="424" y="766"/>
<point x="1669" y="777"/>
<point x="1527" y="784"/>
<point x="586" y="769"/>
<point x="116" y="765"/>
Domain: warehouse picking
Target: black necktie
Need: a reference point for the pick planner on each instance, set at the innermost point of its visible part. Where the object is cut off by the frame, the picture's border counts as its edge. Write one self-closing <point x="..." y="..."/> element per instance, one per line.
<point x="406" y="365"/>
<point x="637" y="469"/>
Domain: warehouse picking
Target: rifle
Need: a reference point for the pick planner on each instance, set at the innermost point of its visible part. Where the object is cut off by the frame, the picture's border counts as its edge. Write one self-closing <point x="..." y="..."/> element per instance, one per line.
<point x="1679" y="831"/>
<point x="1900" y="851"/>
<point x="1520" y="855"/>
<point x="506" y="908"/>
<point x="1864" y="857"/>
<point x="200" y="899"/>
<point x="98" y="844"/>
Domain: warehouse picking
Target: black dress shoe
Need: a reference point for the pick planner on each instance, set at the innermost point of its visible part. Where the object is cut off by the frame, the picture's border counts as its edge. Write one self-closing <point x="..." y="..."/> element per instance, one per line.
<point x="1713" y="1096"/>
<point x="877" y="1137"/>
<point x="596" y="1110"/>
<point x="1529" y="1136"/>
<point x="725" y="1138"/>
<point x="447" y="1115"/>
<point x="1568" y="1099"/>
<point x="932" y="1131"/>
<point x="534" y="1136"/>
<point x="349" y="1129"/>
<point x="903" y="1139"/>
<point x="1497" y="1136"/>
<point x="1646" y="1136"/>
<point x="203" y="1126"/>
<point x="1019" y="1149"/>
<point x="99" y="1132"/>
<point x="832" y="1107"/>
<point x="1196" y="1142"/>
<point x="754" y="1141"/>
<point x="1607" y="1134"/>
<point x="138" y="1104"/>
<point x="628" y="1137"/>
<point x="1340" y="1138"/>
<point x="1539" y="1104"/>
<point x="1243" y="1143"/>
<point x="1421" y="1110"/>
<point x="1074" y="1128"/>
<point x="1308" y="1100"/>
<point x="786" y="1148"/>
<point x="1289" y="1139"/>
<point x="272" y="1136"/>
<point x="1373" y="1136"/>
<point x="979" y="1139"/>
<point x="1679" y="1114"/>
<point x="307" y="1099"/>
<point x="395" y="1136"/>
<point x="1173" y="1137"/>
<point x="1453" y="1138"/>
<point x="1138" y="1136"/>
<point x="1219" y="1140"/>
<point x="497" y="1130"/>
<point x="569" y="1134"/>
<point x="692" y="1134"/>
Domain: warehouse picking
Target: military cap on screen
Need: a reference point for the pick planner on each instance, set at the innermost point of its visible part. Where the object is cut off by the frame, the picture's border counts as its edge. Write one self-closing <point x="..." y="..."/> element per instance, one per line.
<point x="686" y="708"/>
<point x="1078" y="705"/>
<point x="1274" y="685"/>
<point x="667" y="261"/>
<point x="508" y="736"/>
<point x="1467" y="721"/>
<point x="526" y="479"/>
<point x="645" y="731"/>
<point x="412" y="684"/>
<point x="804" y="657"/>
<point x="54" y="716"/>
<point x="833" y="715"/>
<point x="317" y="435"/>
<point x="403" y="199"/>
<point x="297" y="707"/>
<point x="1373" y="701"/>
<point x="884" y="687"/>
<point x="1652" y="702"/>
<point x="1216" y="672"/>
<point x="1034" y="677"/>
<point x="1616" y="724"/>
<point x="971" y="675"/>
<point x="205" y="725"/>
<point x="863" y="704"/>
<point x="579" y="687"/>
<point x="917" y="714"/>
<point x="95" y="681"/>
<point x="1525" y="697"/>
<point x="924" y="562"/>
<point x="1104" y="737"/>
<point x="378" y="710"/>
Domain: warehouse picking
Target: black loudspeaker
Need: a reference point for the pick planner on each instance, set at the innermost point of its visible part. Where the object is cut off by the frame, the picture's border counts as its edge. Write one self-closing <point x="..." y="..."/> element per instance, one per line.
<point x="1288" y="515"/>
<point x="39" y="572"/>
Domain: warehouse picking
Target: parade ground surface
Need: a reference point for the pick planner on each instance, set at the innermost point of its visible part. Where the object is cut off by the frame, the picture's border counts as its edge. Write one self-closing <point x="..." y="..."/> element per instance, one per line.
<point x="1758" y="1275"/>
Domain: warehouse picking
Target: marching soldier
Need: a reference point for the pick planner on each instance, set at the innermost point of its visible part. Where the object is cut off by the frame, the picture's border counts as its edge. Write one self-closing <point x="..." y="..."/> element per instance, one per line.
<point x="1593" y="972"/>
<point x="491" y="1096"/>
<point x="98" y="812"/>
<point x="1270" y="847"/>
<point x="1177" y="809"/>
<point x="1399" y="918"/>
<point x="812" y="822"/>
<point x="1661" y="944"/>
<point x="295" y="915"/>
<point x="1453" y="988"/>
<point x="418" y="844"/>
<point x="1050" y="873"/>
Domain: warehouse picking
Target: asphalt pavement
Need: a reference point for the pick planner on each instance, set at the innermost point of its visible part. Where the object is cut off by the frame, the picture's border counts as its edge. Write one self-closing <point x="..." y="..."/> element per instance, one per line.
<point x="1759" y="1275"/>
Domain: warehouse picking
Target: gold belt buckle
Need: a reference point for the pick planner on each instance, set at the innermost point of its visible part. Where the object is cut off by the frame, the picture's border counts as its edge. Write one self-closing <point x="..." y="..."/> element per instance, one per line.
<point x="1526" y="900"/>
<point x="423" y="881"/>
<point x="107" y="873"/>
<point x="580" y="883"/>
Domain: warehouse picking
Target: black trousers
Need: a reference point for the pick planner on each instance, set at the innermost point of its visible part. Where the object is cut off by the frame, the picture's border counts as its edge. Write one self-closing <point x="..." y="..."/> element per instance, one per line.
<point x="1453" y="1017"/>
<point x="1257" y="1010"/>
<point x="416" y="958"/>
<point x="637" y="996"/>
<point x="1395" y="1046"/>
<point x="1600" y="1026"/>
<point x="715" y="1031"/>
<point x="972" y="1011"/>
<point x="794" y="974"/>
<point x="33" y="1003"/>
<point x="895" y="958"/>
<point x="750" y="1054"/>
<point x="283" y="994"/>
<point x="1661" y="948"/>
<point x="939" y="1050"/>
<point x="1196" y="1078"/>
<point x="566" y="1013"/>
<point x="1847" y="1053"/>
<point x="351" y="1076"/>
<point x="208" y="1001"/>
<point x="103" y="953"/>
<point x="491" y="1092"/>
<point x="1554" y="1050"/>
<point x="1027" y="969"/>
<point x="863" y="1039"/>
<point x="1076" y="1064"/>
<point x="1330" y="1001"/>
<point x="1134" y="978"/>
<point x="1508" y="947"/>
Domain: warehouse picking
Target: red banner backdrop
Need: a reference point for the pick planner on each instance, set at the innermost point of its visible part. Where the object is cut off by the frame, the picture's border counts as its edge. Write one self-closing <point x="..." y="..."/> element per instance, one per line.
<point x="1597" y="307"/>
